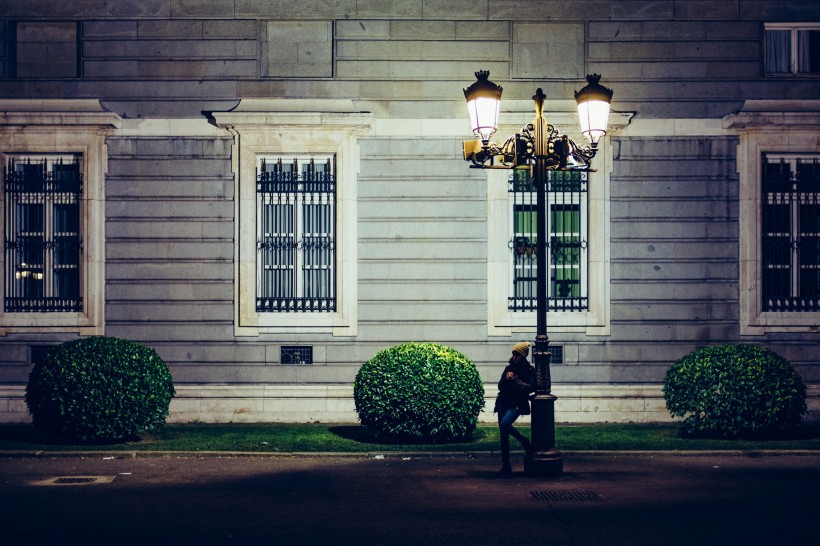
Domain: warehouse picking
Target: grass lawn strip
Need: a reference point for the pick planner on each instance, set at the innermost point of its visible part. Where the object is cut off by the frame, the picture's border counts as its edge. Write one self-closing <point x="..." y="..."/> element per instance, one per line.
<point x="352" y="438"/>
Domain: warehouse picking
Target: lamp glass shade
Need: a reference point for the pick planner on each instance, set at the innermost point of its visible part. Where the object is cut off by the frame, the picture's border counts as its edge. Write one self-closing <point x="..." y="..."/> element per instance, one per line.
<point x="484" y="116"/>
<point x="483" y="104"/>
<point x="594" y="117"/>
<point x="593" y="108"/>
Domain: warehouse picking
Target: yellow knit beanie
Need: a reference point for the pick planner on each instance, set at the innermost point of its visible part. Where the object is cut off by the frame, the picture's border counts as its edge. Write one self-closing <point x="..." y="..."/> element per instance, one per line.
<point x="522" y="348"/>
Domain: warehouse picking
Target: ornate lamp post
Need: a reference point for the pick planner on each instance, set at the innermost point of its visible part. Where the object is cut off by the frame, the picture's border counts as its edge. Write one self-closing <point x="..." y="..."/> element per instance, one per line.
<point x="540" y="148"/>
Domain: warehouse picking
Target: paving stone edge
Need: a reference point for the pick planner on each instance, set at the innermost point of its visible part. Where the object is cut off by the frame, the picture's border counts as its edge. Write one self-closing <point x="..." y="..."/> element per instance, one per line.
<point x="43" y="454"/>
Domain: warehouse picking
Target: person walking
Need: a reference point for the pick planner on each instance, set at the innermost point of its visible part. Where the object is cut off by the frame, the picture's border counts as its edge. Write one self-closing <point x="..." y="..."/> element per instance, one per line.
<point x="514" y="388"/>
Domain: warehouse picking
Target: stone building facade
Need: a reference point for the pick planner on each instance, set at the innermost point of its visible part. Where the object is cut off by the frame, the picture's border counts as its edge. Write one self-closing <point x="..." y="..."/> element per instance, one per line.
<point x="183" y="118"/>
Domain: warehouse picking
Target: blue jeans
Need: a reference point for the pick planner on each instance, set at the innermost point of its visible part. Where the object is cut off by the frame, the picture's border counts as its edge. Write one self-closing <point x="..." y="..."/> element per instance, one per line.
<point x="506" y="418"/>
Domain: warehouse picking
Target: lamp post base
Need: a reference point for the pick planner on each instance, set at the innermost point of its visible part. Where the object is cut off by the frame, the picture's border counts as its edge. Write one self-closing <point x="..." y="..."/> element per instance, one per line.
<point x="544" y="460"/>
<point x="548" y="464"/>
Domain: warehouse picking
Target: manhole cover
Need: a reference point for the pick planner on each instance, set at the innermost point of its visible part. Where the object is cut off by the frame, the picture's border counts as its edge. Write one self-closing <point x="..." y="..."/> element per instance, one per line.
<point x="75" y="480"/>
<point x="557" y="496"/>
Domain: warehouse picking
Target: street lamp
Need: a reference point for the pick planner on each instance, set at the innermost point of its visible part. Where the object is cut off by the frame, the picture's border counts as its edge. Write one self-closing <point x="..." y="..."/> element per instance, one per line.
<point x="540" y="148"/>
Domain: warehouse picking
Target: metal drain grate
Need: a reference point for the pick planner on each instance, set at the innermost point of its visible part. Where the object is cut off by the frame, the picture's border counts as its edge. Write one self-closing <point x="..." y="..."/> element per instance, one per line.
<point x="557" y="496"/>
<point x="75" y="480"/>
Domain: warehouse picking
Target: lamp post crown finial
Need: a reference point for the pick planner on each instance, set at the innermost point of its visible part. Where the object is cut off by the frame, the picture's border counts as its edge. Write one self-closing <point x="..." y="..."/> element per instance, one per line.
<point x="594" y="90"/>
<point x="483" y="87"/>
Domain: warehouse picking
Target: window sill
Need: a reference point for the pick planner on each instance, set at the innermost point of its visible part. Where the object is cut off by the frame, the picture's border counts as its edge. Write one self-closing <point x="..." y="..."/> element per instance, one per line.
<point x="768" y="322"/>
<point x="585" y="322"/>
<point x="50" y="323"/>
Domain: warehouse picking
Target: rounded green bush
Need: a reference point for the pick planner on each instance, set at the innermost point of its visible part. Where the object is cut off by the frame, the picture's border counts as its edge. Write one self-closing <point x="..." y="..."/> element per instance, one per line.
<point x="99" y="388"/>
<point x="419" y="392"/>
<point x="734" y="390"/>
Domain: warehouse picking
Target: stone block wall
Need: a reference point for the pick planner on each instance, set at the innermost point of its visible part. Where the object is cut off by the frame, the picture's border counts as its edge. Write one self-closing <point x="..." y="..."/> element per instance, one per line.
<point x="673" y="232"/>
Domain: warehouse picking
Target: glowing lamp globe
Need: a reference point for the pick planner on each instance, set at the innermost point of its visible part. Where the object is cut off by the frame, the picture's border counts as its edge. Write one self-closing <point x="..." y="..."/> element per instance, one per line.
<point x="593" y="102"/>
<point x="483" y="104"/>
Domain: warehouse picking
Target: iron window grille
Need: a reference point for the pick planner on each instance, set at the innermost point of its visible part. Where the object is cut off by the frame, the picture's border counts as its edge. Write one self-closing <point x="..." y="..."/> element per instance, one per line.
<point x="556" y="354"/>
<point x="296" y="231"/>
<point x="38" y="353"/>
<point x="790" y="232"/>
<point x="567" y="246"/>
<point x="42" y="226"/>
<point x="296" y="354"/>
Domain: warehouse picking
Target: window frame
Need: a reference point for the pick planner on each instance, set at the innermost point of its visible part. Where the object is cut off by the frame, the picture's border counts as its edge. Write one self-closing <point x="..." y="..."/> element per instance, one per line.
<point x="785" y="238"/>
<point x="287" y="128"/>
<point x="46" y="268"/>
<point x="767" y="127"/>
<point x="793" y="29"/>
<point x="65" y="127"/>
<point x="595" y="320"/>
<point x="579" y="268"/>
<point x="295" y="250"/>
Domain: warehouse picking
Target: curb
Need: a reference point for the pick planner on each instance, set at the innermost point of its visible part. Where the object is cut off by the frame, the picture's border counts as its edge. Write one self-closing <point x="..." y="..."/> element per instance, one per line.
<point x="42" y="454"/>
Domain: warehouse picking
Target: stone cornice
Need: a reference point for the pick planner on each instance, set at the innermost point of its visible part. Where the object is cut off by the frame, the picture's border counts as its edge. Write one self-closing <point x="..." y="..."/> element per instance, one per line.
<point x="58" y="112"/>
<point x="773" y="116"/>
<point x="294" y="114"/>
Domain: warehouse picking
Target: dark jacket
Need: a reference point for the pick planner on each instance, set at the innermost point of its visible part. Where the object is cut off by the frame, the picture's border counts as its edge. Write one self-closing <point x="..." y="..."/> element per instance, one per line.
<point x="515" y="392"/>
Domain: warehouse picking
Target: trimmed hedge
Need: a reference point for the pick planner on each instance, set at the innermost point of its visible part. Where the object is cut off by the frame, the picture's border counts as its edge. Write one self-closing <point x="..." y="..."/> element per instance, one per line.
<point x="419" y="392"/>
<point x="734" y="390"/>
<point x="99" y="388"/>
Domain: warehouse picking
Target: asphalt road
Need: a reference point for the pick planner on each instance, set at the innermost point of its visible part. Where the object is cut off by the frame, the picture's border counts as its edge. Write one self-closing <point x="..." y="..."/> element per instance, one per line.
<point x="626" y="500"/>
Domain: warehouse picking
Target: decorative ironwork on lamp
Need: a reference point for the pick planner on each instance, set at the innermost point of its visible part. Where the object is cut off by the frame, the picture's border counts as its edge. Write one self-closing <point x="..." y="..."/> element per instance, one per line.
<point x="519" y="150"/>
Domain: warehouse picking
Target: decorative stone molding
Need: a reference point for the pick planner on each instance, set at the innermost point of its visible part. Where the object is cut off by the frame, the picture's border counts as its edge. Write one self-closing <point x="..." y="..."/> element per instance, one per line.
<point x="294" y="127"/>
<point x="66" y="126"/>
<point x="595" y="320"/>
<point x="767" y="127"/>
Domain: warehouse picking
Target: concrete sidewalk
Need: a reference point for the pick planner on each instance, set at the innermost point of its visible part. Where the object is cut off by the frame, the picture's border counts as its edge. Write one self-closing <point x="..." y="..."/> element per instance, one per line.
<point x="405" y="499"/>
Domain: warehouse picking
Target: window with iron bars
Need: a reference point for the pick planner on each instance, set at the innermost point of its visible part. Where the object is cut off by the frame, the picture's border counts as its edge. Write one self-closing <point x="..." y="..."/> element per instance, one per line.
<point x="43" y="247"/>
<point x="790" y="232"/>
<point x="296" y="230"/>
<point x="567" y="245"/>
